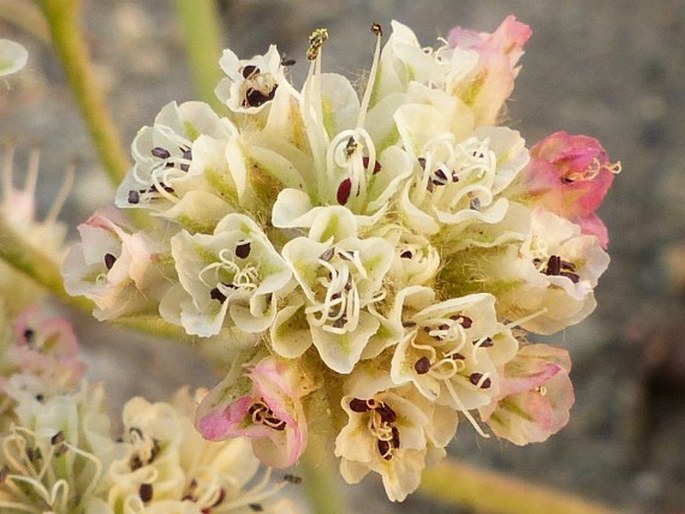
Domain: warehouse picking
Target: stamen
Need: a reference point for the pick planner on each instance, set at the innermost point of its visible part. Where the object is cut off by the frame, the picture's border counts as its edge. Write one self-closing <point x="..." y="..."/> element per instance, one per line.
<point x="344" y="190"/>
<point x="480" y="380"/>
<point x="145" y="492"/>
<point x="242" y="249"/>
<point x="316" y="41"/>
<point x="133" y="197"/>
<point x="462" y="409"/>
<point x="366" y="99"/>
<point x="109" y="260"/>
<point x="358" y="405"/>
<point x="160" y="153"/>
<point x="423" y="365"/>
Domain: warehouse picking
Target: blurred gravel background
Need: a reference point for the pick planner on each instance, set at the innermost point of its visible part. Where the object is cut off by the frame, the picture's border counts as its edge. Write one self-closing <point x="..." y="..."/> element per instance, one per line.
<point x="613" y="69"/>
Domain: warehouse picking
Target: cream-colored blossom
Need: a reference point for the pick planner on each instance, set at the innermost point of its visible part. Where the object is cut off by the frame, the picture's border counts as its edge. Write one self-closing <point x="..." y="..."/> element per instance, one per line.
<point x="234" y="273"/>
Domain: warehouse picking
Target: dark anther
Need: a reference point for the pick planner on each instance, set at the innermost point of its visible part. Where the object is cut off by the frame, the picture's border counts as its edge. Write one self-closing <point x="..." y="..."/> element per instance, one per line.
<point x="573" y="277"/>
<point x="487" y="343"/>
<point x="293" y="479"/>
<point x="351" y="146"/>
<point x="328" y="254"/>
<point x="553" y="265"/>
<point x="475" y="379"/>
<point x="344" y="190"/>
<point x="242" y="249"/>
<point x="340" y="322"/>
<point x="133" y="197"/>
<point x="256" y="507"/>
<point x="441" y="176"/>
<point x="4" y="473"/>
<point x="409" y="324"/>
<point x="474" y="204"/>
<point x="457" y="357"/>
<point x="29" y="335"/>
<point x="217" y="295"/>
<point x="423" y="365"/>
<point x="109" y="260"/>
<point x="358" y="405"/>
<point x="384" y="449"/>
<point x="377" y="29"/>
<point x="161" y="153"/>
<point x="407" y="254"/>
<point x="288" y="61"/>
<point x="444" y="326"/>
<point x="256" y="98"/>
<point x="57" y="438"/>
<point x="568" y="266"/>
<point x="395" y="437"/>
<point x="275" y="423"/>
<point x="422" y="163"/>
<point x="188" y="154"/>
<point x="430" y="186"/>
<point x="60" y="450"/>
<point x="376" y="165"/>
<point x="40" y="398"/>
<point x="387" y="414"/>
<point x="145" y="492"/>
<point x="464" y="321"/>
<point x="455" y="178"/>
<point x="250" y="70"/>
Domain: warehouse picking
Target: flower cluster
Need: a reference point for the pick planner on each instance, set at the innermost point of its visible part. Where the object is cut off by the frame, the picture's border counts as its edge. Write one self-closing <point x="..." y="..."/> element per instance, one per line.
<point x="57" y="454"/>
<point x="374" y="258"/>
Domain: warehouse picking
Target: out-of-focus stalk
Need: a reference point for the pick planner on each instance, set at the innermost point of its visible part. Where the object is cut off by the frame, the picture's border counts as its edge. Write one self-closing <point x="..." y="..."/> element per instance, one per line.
<point x="203" y="40"/>
<point x="67" y="35"/>
<point x="486" y="491"/>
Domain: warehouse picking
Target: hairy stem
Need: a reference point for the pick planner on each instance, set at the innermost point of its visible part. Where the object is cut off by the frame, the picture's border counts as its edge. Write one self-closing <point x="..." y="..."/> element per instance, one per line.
<point x="67" y="35"/>
<point x="202" y="30"/>
<point x="486" y="491"/>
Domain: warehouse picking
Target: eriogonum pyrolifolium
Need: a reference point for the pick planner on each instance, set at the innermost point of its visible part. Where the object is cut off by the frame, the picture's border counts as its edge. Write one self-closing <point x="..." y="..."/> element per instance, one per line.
<point x="370" y="257"/>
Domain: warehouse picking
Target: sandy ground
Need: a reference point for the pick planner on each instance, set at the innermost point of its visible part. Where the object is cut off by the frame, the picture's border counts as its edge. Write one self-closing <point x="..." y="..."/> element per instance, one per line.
<point x="613" y="69"/>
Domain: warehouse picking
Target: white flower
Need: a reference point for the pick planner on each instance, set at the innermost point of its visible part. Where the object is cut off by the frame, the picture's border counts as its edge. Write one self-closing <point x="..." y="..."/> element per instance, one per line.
<point x="169" y="467"/>
<point x="13" y="57"/>
<point x="451" y="349"/>
<point x="234" y="273"/>
<point x="341" y="278"/>
<point x="188" y="167"/>
<point x="252" y="84"/>
<point x="54" y="457"/>
<point x="389" y="431"/>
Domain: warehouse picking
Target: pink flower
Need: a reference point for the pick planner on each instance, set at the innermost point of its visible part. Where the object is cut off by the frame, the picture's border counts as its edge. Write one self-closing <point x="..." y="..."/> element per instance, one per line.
<point x="535" y="397"/>
<point x="498" y="54"/>
<point x="570" y="175"/>
<point x="117" y="268"/>
<point x="270" y="414"/>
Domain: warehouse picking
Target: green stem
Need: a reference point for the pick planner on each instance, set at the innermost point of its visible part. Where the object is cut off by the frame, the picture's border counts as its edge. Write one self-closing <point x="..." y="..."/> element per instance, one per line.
<point x="318" y="465"/>
<point x="486" y="491"/>
<point x="200" y="24"/>
<point x="63" y="20"/>
<point x="36" y="265"/>
<point x="320" y="476"/>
